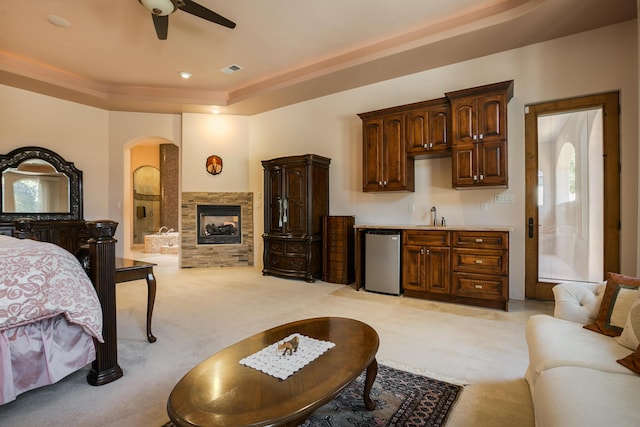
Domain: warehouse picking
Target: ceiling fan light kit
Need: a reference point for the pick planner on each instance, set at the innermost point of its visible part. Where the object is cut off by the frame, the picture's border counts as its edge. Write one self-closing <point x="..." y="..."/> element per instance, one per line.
<point x="161" y="9"/>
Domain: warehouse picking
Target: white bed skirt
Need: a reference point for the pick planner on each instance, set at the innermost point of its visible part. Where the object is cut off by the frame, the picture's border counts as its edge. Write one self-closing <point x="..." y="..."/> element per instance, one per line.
<point x="41" y="353"/>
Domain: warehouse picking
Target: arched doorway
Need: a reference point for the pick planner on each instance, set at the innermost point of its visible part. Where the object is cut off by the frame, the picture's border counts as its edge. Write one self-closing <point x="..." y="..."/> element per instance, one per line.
<point x="152" y="196"/>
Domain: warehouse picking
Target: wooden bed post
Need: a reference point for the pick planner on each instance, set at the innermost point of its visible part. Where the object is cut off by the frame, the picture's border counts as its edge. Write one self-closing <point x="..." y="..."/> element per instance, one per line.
<point x="102" y="261"/>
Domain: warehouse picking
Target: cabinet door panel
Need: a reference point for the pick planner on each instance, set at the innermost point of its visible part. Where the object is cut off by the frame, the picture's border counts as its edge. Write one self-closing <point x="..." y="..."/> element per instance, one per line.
<point x="437" y="270"/>
<point x="492" y="112"/>
<point x="463" y="166"/>
<point x="493" y="158"/>
<point x="296" y="200"/>
<point x="372" y="154"/>
<point x="439" y="135"/>
<point x="417" y="132"/>
<point x="413" y="268"/>
<point x="463" y="121"/>
<point x="393" y="167"/>
<point x="275" y="199"/>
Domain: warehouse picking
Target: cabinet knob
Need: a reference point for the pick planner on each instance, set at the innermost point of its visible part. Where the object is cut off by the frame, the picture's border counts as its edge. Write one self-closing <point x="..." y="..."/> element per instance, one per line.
<point x="481" y="177"/>
<point x="478" y="261"/>
<point x="421" y="251"/>
<point x="475" y="177"/>
<point x="477" y="286"/>
<point x="478" y="240"/>
<point x="424" y="145"/>
<point x="380" y="183"/>
<point x="384" y="183"/>
<point x="481" y="136"/>
<point x="430" y="145"/>
<point x="475" y="137"/>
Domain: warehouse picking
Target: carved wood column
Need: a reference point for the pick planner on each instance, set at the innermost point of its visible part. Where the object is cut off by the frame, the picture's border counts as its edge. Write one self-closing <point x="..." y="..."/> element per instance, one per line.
<point x="102" y="253"/>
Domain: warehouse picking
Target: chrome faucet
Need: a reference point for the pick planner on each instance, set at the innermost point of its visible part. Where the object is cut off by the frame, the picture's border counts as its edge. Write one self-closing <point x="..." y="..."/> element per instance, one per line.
<point x="435" y="215"/>
<point x="163" y="228"/>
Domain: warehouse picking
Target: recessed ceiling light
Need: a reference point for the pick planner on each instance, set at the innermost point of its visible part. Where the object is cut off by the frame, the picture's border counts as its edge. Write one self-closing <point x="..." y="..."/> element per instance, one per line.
<point x="231" y="69"/>
<point x="185" y="74"/>
<point x="58" y="21"/>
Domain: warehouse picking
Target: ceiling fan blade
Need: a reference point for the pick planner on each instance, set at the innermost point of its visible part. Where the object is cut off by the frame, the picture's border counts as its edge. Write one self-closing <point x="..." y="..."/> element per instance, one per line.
<point x="204" y="13"/>
<point x="161" y="23"/>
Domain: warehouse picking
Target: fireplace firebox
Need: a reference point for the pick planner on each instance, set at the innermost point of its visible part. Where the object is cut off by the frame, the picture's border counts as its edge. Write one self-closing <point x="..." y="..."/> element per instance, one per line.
<point x="219" y="224"/>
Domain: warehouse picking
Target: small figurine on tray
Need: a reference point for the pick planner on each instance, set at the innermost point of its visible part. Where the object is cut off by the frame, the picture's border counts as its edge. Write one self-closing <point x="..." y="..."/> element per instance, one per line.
<point x="290" y="346"/>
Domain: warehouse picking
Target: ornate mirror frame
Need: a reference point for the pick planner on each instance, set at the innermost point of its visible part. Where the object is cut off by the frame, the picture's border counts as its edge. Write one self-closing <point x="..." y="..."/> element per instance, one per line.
<point x="17" y="156"/>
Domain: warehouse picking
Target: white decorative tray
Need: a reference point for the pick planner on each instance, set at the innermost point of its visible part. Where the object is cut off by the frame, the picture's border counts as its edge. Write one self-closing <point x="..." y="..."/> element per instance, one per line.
<point x="280" y="364"/>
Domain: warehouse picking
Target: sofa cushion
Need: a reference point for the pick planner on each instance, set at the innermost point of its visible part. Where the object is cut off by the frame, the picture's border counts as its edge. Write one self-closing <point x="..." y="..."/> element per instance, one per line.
<point x="573" y="396"/>
<point x="578" y="301"/>
<point x="616" y="302"/>
<point x="554" y="342"/>
<point x="630" y="336"/>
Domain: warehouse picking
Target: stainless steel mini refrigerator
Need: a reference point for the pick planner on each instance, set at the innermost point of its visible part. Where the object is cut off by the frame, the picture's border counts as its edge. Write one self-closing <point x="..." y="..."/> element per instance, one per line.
<point x="382" y="261"/>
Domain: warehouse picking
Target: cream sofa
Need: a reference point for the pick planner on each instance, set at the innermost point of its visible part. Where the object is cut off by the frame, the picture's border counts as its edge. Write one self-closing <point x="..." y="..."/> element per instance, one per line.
<point x="573" y="374"/>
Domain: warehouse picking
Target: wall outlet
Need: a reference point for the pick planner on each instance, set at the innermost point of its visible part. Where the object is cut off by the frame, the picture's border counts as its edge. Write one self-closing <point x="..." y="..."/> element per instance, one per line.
<point x="503" y="198"/>
<point x="484" y="207"/>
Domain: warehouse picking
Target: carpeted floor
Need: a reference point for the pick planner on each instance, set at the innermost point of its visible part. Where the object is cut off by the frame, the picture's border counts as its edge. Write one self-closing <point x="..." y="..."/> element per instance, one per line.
<point x="402" y="399"/>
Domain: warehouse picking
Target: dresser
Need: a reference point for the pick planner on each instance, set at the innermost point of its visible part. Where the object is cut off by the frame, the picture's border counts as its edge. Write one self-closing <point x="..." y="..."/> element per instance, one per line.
<point x="338" y="249"/>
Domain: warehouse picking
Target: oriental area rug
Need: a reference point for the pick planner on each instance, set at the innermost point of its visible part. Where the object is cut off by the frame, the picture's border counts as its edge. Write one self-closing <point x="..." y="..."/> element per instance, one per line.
<point x="402" y="399"/>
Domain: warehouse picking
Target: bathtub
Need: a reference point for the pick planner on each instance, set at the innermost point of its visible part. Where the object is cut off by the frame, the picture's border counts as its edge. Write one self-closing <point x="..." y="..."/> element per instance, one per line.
<point x="162" y="243"/>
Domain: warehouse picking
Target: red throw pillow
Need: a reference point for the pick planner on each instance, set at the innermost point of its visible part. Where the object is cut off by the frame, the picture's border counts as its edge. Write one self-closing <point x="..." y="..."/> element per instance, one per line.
<point x="618" y="297"/>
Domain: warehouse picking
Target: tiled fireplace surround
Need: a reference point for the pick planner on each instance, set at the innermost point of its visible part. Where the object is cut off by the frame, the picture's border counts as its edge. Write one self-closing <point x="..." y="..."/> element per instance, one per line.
<point x="224" y="255"/>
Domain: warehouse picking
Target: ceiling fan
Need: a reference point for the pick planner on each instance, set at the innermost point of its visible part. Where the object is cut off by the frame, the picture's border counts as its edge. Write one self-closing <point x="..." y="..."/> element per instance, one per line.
<point x="161" y="9"/>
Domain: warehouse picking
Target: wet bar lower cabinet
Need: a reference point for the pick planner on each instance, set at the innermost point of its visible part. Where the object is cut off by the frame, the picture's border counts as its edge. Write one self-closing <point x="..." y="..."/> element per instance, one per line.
<point x="296" y="198"/>
<point x="465" y="265"/>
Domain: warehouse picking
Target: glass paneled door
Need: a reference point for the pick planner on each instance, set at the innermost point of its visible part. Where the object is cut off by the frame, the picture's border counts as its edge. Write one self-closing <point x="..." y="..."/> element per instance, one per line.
<point x="570" y="196"/>
<point x="572" y="185"/>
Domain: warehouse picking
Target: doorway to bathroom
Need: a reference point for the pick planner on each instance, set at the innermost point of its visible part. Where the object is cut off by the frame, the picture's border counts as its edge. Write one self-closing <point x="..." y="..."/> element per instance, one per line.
<point x="155" y="199"/>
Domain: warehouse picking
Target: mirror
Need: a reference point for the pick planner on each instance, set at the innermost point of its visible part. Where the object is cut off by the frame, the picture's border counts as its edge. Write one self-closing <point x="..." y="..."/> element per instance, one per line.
<point x="37" y="183"/>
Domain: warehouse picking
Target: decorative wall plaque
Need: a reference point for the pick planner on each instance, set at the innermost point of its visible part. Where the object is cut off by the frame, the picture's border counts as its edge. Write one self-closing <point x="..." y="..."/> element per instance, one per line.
<point x="214" y="165"/>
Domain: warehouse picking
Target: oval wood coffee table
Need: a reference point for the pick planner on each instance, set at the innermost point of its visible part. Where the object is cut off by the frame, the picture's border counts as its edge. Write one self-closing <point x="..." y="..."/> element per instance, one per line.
<point x="222" y="392"/>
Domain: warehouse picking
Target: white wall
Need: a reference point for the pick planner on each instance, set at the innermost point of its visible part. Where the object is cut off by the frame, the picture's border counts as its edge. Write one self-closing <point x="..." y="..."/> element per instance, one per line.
<point x="593" y="62"/>
<point x="204" y="135"/>
<point x="76" y="132"/>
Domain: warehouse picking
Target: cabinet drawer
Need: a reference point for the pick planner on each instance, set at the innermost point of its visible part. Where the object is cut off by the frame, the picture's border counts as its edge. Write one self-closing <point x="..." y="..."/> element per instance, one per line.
<point x="425" y="238"/>
<point x="287" y="262"/>
<point x="483" y="262"/>
<point x="481" y="239"/>
<point x="295" y="248"/>
<point x="479" y="286"/>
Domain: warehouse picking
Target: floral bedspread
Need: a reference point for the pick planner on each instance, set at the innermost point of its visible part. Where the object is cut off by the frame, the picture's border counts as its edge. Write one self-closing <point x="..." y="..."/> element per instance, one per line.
<point x="40" y="280"/>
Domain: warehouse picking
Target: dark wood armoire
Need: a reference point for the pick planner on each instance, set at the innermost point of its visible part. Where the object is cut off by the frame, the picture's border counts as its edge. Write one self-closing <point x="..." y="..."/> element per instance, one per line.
<point x="296" y="198"/>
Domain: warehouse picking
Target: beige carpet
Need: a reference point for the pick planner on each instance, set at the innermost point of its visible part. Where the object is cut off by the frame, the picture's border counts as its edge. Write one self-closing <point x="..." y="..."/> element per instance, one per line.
<point x="201" y="311"/>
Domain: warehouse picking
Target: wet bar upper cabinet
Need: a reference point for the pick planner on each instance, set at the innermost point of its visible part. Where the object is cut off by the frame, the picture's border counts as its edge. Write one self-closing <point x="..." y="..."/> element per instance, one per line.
<point x="296" y="198"/>
<point x="385" y="165"/>
<point x="479" y="125"/>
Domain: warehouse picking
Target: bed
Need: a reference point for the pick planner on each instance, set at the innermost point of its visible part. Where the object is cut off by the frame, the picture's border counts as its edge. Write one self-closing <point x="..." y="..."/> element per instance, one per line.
<point x="53" y="320"/>
<point x="49" y="315"/>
